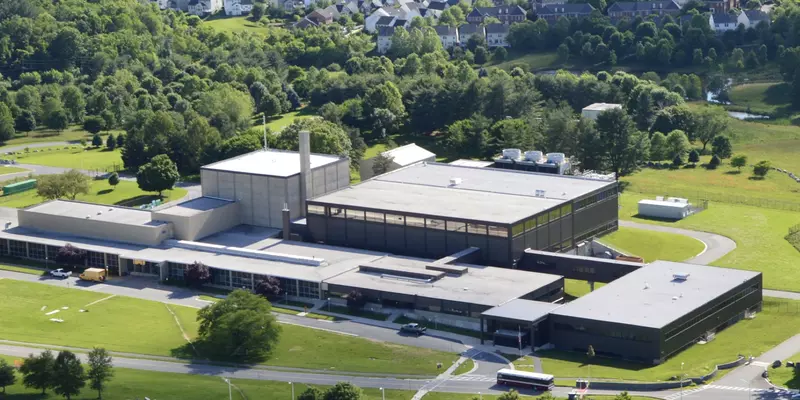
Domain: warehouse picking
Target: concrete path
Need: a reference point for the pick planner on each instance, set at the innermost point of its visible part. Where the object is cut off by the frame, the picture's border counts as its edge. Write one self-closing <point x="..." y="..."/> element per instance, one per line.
<point x="21" y="147"/>
<point x="716" y="245"/>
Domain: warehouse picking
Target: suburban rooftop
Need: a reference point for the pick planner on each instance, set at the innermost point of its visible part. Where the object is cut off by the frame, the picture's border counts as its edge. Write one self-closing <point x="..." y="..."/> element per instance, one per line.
<point x="270" y="162"/>
<point x="652" y="297"/>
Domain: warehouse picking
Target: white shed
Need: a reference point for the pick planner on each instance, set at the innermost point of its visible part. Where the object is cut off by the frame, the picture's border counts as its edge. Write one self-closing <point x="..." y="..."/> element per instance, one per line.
<point x="667" y="209"/>
<point x="593" y="110"/>
<point x="401" y="156"/>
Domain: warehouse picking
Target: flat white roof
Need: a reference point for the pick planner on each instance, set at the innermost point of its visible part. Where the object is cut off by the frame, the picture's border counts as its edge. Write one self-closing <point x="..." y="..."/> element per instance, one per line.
<point x="661" y="203"/>
<point x="601" y="106"/>
<point x="97" y="212"/>
<point x="270" y="162"/>
<point x="472" y="163"/>
<point x="194" y="206"/>
<point x="408" y="154"/>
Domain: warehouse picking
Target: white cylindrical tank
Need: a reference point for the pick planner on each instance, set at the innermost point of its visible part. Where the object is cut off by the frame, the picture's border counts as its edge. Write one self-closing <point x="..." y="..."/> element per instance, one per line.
<point x="513" y="154"/>
<point x="555" y="158"/>
<point x="533" y="155"/>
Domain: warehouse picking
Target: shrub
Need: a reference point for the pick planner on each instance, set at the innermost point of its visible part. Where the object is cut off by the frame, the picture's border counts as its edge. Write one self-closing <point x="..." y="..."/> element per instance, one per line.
<point x="694" y="157"/>
<point x="269" y="288"/>
<point x="356" y="299"/>
<point x="739" y="161"/>
<point x="715" y="162"/>
<point x="196" y="274"/>
<point x="762" y="168"/>
<point x="677" y="161"/>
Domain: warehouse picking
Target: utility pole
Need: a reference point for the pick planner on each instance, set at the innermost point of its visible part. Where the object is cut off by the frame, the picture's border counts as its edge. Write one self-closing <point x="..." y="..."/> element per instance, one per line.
<point x="264" y="122"/>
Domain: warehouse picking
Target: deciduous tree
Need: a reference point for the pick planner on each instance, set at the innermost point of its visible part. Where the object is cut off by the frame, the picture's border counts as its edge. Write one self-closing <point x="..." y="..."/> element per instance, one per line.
<point x="7" y="129"/>
<point x="710" y="122"/>
<point x="158" y="175"/>
<point x="8" y="375"/>
<point x="270" y="288"/>
<point x="738" y="161"/>
<point x="381" y="164"/>
<point x="197" y="274"/>
<point x="101" y="370"/>
<point x="69" y="376"/>
<point x="721" y="146"/>
<point x="623" y="146"/>
<point x="113" y="180"/>
<point x="762" y="168"/>
<point x="37" y="371"/>
<point x="344" y="391"/>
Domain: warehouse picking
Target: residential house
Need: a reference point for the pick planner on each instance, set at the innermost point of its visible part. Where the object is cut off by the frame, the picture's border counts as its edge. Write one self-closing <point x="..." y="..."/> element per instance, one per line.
<point x="754" y="17"/>
<point x="405" y="12"/>
<point x="448" y="35"/>
<point x="721" y="6"/>
<point x="162" y="4"/>
<point x="643" y="8"/>
<point x="347" y="8"/>
<point x="325" y="15"/>
<point x="496" y="35"/>
<point x="304" y="23"/>
<point x="368" y="6"/>
<point x="723" y="22"/>
<point x="506" y="14"/>
<point x="537" y="4"/>
<point x="238" y="7"/>
<point x="435" y="8"/>
<point x="385" y="34"/>
<point x="467" y="30"/>
<point x="552" y="13"/>
<point x="384" y="21"/>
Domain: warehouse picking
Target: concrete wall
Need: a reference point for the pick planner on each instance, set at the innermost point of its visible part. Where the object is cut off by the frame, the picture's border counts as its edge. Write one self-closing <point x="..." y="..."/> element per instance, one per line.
<point x="261" y="198"/>
<point x="147" y="235"/>
<point x="585" y="269"/>
<point x="203" y="224"/>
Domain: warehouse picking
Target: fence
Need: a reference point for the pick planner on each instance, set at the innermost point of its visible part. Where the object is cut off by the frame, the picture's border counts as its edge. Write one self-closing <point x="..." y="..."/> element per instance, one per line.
<point x="794" y="236"/>
<point x="698" y="196"/>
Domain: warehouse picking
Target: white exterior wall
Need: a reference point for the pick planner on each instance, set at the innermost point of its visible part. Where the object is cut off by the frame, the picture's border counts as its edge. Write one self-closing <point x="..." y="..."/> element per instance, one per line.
<point x="448" y="41"/>
<point x="666" y="211"/>
<point x="147" y="235"/>
<point x="384" y="44"/>
<point x="202" y="224"/>
<point x="496" y="40"/>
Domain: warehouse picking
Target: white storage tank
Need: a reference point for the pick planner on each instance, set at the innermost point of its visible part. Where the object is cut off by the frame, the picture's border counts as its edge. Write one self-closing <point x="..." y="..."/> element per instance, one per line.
<point x="533" y="155"/>
<point x="664" y="209"/>
<point x="513" y="154"/>
<point x="555" y="158"/>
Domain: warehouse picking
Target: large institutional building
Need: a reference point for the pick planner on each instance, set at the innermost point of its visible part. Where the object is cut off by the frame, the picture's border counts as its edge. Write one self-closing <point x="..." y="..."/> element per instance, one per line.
<point x="479" y="248"/>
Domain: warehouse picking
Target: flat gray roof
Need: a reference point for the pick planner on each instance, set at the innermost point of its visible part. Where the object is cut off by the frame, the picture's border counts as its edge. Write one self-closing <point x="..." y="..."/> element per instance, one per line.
<point x="97" y="212"/>
<point x="472" y="163"/>
<point x="270" y="162"/>
<point x="194" y="206"/>
<point x="651" y="297"/>
<point x="522" y="310"/>
<point x="484" y="194"/>
<point x="488" y="286"/>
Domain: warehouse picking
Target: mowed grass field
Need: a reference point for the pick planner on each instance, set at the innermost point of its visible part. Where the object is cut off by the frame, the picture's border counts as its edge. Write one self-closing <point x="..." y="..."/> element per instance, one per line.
<point x="118" y="323"/>
<point x="784" y="376"/>
<point x="137" y="384"/>
<point x="74" y="157"/>
<point x="763" y="97"/>
<point x="758" y="233"/>
<point x="235" y="25"/>
<point x="529" y="62"/>
<point x="653" y="245"/>
<point x="72" y="134"/>
<point x="127" y="193"/>
<point x="777" y="322"/>
<point x="5" y="170"/>
<point x="125" y="324"/>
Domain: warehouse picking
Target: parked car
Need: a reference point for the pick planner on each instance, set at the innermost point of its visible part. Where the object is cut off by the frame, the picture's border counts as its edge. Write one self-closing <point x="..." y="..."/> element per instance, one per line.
<point x="60" y="273"/>
<point x="414" y="328"/>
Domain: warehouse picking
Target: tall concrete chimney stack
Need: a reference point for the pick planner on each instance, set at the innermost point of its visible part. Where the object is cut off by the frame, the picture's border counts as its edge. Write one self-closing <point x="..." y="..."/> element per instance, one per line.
<point x="305" y="168"/>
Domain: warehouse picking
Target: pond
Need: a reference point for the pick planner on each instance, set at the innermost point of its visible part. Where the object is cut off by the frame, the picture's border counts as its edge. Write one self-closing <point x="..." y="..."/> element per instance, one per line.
<point x="746" y="116"/>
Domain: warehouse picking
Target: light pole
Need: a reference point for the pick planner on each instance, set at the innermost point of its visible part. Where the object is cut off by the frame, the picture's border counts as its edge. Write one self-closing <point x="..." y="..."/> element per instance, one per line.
<point x="383" y="394"/>
<point x="681" y="380"/>
<point x="329" y="304"/>
<point x="230" y="393"/>
<point x="749" y="390"/>
<point x="480" y="396"/>
<point x="292" y="383"/>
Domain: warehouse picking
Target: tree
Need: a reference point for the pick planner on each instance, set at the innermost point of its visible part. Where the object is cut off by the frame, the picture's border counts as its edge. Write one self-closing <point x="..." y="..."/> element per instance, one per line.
<point x="7" y="375"/>
<point x="622" y="145"/>
<point x="721" y="146"/>
<point x="761" y="168"/>
<point x="270" y="287"/>
<point x="677" y="161"/>
<point x="677" y="144"/>
<point x="481" y="55"/>
<point x="381" y="164"/>
<point x="343" y="391"/>
<point x="356" y="299"/>
<point x="739" y="161"/>
<point x="196" y="274"/>
<point x="311" y="393"/>
<point x="69" y="184"/>
<point x="658" y="146"/>
<point x="326" y="137"/>
<point x="97" y="141"/>
<point x="111" y="142"/>
<point x="694" y="157"/>
<point x="25" y="121"/>
<point x="257" y="12"/>
<point x="240" y="327"/>
<point x="510" y="395"/>
<point x="500" y="54"/>
<point x="715" y="162"/>
<point x="75" y="183"/>
<point x="158" y="175"/>
<point x="7" y="129"/>
<point x="623" y="396"/>
<point x="101" y="370"/>
<point x="71" y="256"/>
<point x="37" y="371"/>
<point x="69" y="376"/>
<point x="709" y="123"/>
<point x="121" y="140"/>
<point x="113" y="180"/>
<point x="94" y="124"/>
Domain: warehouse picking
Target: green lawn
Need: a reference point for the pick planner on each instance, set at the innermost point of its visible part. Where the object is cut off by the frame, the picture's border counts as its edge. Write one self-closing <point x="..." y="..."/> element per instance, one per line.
<point x="5" y="170"/>
<point x="119" y="323"/>
<point x="465" y="367"/>
<point x="73" y="133"/>
<point x="758" y="233"/>
<point x="22" y="269"/>
<point x="762" y="98"/>
<point x="576" y="288"/>
<point x="74" y="157"/>
<point x="777" y="322"/>
<point x="378" y="316"/>
<point x="653" y="246"/>
<point x="135" y="384"/>
<point x="374" y="150"/>
<point x="784" y="376"/>
<point x="277" y="123"/>
<point x="235" y="25"/>
<point x="126" y="194"/>
<point x="529" y="61"/>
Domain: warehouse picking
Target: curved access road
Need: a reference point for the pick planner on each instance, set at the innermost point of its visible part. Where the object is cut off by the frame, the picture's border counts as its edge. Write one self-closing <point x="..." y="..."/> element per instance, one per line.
<point x="717" y="246"/>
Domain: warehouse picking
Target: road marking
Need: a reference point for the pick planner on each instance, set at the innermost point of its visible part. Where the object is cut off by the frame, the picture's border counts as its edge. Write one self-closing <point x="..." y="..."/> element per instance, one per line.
<point x="685" y="393"/>
<point x="185" y="336"/>
<point x="473" y="378"/>
<point x="97" y="301"/>
<point x="760" y="363"/>
<point x="321" y="329"/>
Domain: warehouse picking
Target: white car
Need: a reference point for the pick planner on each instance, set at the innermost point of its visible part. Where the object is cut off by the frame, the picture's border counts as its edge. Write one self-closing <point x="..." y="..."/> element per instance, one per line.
<point x="60" y="273"/>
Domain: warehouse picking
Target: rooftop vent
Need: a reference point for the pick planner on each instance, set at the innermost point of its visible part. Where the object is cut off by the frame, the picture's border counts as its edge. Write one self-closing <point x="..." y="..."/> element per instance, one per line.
<point x="539" y="193"/>
<point x="88" y="216"/>
<point x="99" y="213"/>
<point x="646" y="286"/>
<point x="455" y="181"/>
<point x="680" y="276"/>
<point x="110" y="209"/>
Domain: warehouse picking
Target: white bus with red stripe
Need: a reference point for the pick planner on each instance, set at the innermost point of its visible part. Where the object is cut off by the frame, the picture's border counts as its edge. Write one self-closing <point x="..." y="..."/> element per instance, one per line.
<point x="511" y="377"/>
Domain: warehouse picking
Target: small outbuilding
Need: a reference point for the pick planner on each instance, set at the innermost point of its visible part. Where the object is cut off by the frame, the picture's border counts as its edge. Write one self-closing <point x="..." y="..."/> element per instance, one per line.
<point x="400" y="157"/>
<point x="593" y="110"/>
<point x="671" y="208"/>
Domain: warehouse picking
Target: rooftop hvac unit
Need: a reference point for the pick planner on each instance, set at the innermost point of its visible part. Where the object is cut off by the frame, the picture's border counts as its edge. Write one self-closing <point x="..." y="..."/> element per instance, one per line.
<point x="555" y="158"/>
<point x="455" y="181"/>
<point x="680" y="276"/>
<point x="534" y="156"/>
<point x="513" y="154"/>
<point x="539" y="193"/>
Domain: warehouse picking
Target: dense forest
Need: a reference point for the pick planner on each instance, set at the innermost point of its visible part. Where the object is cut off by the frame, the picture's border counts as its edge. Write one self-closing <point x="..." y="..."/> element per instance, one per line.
<point x="178" y="87"/>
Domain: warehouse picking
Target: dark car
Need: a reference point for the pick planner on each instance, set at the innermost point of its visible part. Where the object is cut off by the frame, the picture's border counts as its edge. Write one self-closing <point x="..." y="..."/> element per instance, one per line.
<point x="414" y="328"/>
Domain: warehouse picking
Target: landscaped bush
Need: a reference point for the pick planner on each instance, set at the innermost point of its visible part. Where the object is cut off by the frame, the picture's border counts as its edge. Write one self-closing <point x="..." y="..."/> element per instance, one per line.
<point x="356" y="299"/>
<point x="715" y="162"/>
